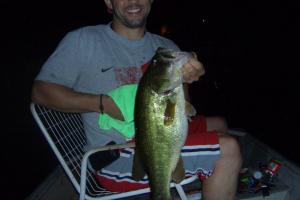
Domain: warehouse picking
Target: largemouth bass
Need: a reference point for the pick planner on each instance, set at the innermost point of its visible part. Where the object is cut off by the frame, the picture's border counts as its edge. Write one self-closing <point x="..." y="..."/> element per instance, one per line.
<point x="161" y="122"/>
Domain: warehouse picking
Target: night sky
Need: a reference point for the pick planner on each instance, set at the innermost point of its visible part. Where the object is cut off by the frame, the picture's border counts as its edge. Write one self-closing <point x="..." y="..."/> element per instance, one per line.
<point x="247" y="47"/>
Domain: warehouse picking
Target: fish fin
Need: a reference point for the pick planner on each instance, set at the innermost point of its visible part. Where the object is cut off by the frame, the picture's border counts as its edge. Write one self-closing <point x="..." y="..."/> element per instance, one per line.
<point x="189" y="109"/>
<point x="169" y="113"/>
<point x="179" y="173"/>
<point x="138" y="171"/>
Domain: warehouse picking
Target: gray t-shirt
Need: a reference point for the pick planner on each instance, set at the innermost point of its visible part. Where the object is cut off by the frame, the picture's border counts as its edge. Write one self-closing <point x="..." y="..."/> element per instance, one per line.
<point x="95" y="60"/>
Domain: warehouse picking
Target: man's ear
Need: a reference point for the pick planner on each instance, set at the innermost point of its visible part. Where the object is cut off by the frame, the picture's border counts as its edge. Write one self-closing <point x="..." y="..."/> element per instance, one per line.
<point x="108" y="4"/>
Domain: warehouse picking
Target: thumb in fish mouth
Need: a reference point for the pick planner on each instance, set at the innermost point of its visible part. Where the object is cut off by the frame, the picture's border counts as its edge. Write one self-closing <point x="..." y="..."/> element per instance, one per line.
<point x="192" y="71"/>
<point x="194" y="54"/>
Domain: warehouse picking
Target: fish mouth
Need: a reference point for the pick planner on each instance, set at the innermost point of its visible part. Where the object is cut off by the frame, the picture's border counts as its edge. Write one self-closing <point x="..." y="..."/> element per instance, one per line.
<point x="179" y="58"/>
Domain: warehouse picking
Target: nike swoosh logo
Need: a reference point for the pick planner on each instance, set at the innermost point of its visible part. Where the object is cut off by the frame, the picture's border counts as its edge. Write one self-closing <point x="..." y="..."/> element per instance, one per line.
<point x="106" y="69"/>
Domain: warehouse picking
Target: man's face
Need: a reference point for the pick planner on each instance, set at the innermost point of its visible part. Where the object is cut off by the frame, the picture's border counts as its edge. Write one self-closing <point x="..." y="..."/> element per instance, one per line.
<point x="131" y="13"/>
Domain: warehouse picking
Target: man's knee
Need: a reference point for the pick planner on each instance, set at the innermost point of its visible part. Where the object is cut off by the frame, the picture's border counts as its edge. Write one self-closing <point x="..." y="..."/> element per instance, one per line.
<point x="230" y="149"/>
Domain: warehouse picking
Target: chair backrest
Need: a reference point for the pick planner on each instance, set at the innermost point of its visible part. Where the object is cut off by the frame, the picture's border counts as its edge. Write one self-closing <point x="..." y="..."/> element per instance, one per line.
<point x="65" y="134"/>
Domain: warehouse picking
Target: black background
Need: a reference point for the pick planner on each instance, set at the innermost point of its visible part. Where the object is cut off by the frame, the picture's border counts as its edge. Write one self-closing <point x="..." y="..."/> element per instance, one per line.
<point x="248" y="48"/>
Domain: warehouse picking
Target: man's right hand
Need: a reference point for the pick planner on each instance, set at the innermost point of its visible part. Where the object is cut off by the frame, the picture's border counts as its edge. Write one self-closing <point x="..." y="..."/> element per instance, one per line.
<point x="110" y="108"/>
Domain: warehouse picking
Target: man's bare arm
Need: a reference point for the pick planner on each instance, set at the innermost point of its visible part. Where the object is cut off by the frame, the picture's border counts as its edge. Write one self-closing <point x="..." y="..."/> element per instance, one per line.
<point x="65" y="99"/>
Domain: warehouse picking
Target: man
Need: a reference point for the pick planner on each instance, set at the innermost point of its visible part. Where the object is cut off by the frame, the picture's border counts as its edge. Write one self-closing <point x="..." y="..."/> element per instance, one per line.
<point x="95" y="60"/>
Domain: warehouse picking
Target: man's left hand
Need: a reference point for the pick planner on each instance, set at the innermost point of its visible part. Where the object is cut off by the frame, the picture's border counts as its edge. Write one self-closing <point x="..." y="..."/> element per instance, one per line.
<point x="192" y="70"/>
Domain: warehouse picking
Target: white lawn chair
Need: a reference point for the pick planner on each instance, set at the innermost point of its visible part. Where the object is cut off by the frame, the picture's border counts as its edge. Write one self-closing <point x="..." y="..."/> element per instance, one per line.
<point x="65" y="134"/>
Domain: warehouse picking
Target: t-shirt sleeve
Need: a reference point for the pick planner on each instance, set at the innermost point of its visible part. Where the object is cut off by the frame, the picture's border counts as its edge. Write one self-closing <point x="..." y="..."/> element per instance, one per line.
<point x="160" y="41"/>
<point x="64" y="65"/>
<point x="170" y="44"/>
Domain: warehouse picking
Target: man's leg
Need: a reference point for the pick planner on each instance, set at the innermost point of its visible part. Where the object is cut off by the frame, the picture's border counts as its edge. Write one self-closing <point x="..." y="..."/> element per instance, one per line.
<point x="222" y="184"/>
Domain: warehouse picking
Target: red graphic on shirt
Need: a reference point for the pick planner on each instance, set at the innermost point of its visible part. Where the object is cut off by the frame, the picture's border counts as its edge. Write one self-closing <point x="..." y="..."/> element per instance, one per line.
<point x="130" y="75"/>
<point x="145" y="66"/>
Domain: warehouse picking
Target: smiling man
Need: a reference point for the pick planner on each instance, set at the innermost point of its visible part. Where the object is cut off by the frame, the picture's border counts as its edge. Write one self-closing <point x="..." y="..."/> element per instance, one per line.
<point x="129" y="15"/>
<point x="93" y="61"/>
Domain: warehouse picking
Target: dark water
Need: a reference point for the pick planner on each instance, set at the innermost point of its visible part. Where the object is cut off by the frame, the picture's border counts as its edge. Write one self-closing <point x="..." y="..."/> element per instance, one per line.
<point x="251" y="75"/>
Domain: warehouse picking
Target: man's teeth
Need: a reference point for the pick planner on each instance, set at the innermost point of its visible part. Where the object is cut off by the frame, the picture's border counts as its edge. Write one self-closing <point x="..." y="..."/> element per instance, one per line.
<point x="133" y="10"/>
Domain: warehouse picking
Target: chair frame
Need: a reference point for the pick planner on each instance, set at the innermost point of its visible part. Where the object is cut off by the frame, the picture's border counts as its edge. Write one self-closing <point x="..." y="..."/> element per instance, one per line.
<point x="58" y="127"/>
